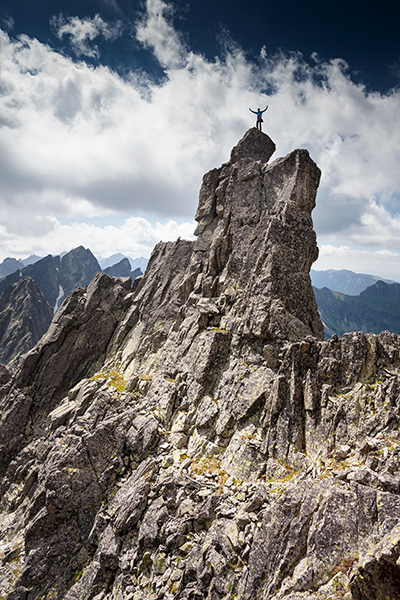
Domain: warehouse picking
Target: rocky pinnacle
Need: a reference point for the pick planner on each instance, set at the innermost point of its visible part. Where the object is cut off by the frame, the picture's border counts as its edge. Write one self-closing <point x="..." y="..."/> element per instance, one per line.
<point x="256" y="235"/>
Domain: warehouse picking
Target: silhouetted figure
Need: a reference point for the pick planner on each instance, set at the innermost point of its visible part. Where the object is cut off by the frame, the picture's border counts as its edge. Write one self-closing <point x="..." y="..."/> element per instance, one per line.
<point x="259" y="113"/>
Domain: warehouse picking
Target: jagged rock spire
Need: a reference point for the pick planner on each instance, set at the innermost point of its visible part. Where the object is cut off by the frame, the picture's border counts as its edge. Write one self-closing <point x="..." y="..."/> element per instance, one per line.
<point x="170" y="441"/>
<point x="255" y="232"/>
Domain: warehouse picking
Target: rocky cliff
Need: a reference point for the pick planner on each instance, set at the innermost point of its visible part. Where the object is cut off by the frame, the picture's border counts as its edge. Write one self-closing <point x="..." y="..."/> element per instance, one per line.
<point x="24" y="317"/>
<point x="194" y="436"/>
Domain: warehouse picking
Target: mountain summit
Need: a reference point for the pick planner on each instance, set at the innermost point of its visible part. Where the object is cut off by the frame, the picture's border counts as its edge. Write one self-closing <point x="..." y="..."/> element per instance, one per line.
<point x="193" y="437"/>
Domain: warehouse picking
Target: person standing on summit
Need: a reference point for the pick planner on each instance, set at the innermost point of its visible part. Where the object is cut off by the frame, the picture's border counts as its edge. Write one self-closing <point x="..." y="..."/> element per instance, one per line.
<point x="259" y="113"/>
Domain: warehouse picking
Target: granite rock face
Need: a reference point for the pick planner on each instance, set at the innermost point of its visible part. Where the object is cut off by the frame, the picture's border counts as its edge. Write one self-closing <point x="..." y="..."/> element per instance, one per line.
<point x="194" y="437"/>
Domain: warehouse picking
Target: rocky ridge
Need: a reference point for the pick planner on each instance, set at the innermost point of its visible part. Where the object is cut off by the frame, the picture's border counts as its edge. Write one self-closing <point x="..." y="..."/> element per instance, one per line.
<point x="194" y="436"/>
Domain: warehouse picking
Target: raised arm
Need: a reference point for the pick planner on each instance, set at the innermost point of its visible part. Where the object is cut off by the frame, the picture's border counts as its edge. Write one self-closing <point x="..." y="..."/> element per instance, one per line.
<point x="253" y="111"/>
<point x="263" y="111"/>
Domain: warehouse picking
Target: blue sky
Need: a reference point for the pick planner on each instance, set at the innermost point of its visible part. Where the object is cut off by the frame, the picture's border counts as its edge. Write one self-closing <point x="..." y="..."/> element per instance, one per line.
<point x="111" y="111"/>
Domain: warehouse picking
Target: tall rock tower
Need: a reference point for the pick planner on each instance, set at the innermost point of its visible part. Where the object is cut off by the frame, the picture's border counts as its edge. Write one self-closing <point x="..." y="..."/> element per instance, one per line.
<point x="255" y="235"/>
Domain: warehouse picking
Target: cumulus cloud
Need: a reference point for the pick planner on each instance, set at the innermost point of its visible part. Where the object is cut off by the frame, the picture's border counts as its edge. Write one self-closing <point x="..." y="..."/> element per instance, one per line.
<point x="82" y="32"/>
<point x="156" y="31"/>
<point x="135" y="236"/>
<point x="79" y="141"/>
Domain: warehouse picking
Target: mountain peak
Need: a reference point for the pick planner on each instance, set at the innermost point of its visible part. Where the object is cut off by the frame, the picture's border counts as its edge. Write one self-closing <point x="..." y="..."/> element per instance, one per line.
<point x="255" y="145"/>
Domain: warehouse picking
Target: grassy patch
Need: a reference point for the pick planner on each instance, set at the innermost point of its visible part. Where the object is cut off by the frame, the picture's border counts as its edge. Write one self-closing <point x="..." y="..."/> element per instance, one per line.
<point x="113" y="378"/>
<point x="211" y="466"/>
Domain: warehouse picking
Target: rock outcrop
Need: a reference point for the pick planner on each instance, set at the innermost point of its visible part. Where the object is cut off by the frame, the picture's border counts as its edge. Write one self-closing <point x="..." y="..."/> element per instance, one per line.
<point x="194" y="436"/>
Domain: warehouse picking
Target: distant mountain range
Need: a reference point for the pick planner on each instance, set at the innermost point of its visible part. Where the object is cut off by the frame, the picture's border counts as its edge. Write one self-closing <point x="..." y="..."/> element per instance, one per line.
<point x="376" y="309"/>
<point x="31" y="291"/>
<point x="58" y="275"/>
<point x="136" y="263"/>
<point x="10" y="265"/>
<point x="349" y="301"/>
<point x="344" y="281"/>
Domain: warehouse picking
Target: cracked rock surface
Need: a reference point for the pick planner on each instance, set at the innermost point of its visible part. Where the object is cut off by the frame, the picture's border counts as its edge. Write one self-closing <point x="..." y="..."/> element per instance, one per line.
<point x="194" y="437"/>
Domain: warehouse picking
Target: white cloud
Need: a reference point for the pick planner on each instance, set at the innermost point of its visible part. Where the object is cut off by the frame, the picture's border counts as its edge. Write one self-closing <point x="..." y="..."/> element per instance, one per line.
<point x="82" y="32"/>
<point x="79" y="141"/>
<point x="377" y="225"/>
<point x="86" y="133"/>
<point x="372" y="225"/>
<point x="155" y="30"/>
<point x="135" y="236"/>
<point x="327" y="250"/>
